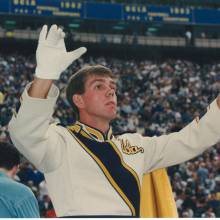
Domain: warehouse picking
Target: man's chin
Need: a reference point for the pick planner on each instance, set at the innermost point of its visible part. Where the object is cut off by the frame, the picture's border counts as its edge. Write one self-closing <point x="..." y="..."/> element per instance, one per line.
<point x="112" y="117"/>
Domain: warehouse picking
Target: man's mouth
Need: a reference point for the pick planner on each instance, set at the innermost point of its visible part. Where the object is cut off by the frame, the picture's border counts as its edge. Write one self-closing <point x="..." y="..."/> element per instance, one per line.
<point x="111" y="103"/>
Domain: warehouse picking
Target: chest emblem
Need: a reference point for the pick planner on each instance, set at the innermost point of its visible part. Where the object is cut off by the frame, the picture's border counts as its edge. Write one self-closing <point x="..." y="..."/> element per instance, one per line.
<point x="127" y="148"/>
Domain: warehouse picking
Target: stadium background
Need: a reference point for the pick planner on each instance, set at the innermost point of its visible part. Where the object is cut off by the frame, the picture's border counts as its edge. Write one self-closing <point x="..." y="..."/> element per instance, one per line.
<point x="165" y="55"/>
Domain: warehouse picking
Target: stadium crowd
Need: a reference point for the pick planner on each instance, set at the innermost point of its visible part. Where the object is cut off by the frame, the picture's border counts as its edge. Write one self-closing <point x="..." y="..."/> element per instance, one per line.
<point x="153" y="98"/>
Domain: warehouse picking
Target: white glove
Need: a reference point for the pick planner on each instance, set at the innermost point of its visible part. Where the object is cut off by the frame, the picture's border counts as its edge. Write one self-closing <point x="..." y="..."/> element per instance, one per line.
<point x="52" y="57"/>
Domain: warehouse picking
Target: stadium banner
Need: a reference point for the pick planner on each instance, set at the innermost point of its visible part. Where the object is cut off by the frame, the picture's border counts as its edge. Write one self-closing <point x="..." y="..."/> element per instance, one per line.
<point x="48" y="8"/>
<point x="103" y="11"/>
<point x="207" y="16"/>
<point x="159" y="14"/>
<point x="5" y="6"/>
<point x="111" y="11"/>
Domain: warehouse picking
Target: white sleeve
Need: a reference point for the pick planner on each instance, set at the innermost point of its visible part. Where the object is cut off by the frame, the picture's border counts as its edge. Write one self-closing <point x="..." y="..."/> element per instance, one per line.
<point x="32" y="133"/>
<point x="177" y="147"/>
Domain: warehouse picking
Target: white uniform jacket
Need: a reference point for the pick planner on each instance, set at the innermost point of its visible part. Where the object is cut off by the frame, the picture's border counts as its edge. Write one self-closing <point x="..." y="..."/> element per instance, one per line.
<point x="88" y="173"/>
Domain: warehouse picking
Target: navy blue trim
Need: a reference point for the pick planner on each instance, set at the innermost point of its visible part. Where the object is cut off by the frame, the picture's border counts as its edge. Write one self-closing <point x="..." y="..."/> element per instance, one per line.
<point x="17" y="107"/>
<point x="111" y="160"/>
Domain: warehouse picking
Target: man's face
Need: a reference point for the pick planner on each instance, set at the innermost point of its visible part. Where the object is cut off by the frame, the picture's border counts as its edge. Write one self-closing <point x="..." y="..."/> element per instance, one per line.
<point x="99" y="98"/>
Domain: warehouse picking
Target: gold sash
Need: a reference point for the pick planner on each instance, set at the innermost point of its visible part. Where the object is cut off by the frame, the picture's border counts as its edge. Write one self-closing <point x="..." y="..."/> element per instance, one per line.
<point x="157" y="196"/>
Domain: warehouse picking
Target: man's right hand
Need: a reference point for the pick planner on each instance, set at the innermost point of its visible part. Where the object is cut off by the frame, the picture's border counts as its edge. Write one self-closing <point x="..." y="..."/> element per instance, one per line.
<point x="52" y="57"/>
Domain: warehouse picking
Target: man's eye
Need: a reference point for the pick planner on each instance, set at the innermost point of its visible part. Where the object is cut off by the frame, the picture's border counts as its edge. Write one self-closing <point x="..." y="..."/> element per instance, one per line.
<point x="98" y="86"/>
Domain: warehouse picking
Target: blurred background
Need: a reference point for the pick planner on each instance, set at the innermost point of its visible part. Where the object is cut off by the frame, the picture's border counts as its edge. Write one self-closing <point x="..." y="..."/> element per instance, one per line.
<point x="165" y="55"/>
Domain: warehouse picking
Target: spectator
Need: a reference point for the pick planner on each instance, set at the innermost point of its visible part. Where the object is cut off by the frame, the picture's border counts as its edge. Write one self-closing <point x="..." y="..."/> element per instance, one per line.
<point x="16" y="200"/>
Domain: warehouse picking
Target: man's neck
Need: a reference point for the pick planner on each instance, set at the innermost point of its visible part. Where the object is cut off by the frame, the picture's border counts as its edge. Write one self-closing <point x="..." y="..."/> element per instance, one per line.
<point x="101" y="125"/>
<point x="7" y="172"/>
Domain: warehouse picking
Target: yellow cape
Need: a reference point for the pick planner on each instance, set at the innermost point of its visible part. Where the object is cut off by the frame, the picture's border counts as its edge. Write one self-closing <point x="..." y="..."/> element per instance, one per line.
<point x="157" y="196"/>
<point x="1" y="97"/>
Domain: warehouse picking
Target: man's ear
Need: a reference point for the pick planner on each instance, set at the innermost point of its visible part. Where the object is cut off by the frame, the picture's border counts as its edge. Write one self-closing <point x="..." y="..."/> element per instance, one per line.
<point x="14" y="170"/>
<point x="78" y="101"/>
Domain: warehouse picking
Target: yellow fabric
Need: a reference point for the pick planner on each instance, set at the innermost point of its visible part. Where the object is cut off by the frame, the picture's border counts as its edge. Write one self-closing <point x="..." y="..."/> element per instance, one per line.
<point x="218" y="195"/>
<point x="2" y="97"/>
<point x="157" y="196"/>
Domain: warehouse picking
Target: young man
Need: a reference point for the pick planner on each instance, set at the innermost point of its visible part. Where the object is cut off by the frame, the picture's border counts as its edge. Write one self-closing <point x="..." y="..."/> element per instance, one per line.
<point x="89" y="171"/>
<point x="16" y="200"/>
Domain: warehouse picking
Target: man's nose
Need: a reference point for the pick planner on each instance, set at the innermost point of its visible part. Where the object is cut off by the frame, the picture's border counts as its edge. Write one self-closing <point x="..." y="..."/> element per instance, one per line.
<point x="110" y="92"/>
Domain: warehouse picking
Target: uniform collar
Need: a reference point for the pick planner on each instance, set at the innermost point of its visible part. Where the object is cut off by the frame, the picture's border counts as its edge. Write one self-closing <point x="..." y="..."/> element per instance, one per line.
<point x="91" y="132"/>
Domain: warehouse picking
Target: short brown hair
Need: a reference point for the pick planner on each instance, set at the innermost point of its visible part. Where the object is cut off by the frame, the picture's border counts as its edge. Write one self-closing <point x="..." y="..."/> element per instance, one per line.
<point x="9" y="156"/>
<point x="76" y="84"/>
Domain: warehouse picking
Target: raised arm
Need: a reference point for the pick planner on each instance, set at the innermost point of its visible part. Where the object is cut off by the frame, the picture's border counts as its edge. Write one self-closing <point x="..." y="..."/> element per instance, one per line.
<point x="52" y="60"/>
<point x="177" y="147"/>
<point x="31" y="128"/>
<point x="192" y="140"/>
<point x="40" y="88"/>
